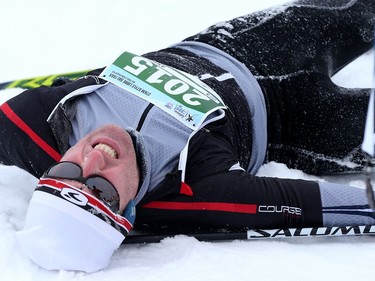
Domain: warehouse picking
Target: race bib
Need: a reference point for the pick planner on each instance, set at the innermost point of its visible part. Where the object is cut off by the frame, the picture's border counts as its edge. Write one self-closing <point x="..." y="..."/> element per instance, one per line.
<point x="180" y="94"/>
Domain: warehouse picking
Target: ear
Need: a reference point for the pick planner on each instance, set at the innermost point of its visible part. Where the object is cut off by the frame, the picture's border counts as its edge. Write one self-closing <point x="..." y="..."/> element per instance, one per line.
<point x="129" y="212"/>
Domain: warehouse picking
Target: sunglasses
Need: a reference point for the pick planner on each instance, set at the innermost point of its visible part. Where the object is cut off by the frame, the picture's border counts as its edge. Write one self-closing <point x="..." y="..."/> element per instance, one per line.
<point x="99" y="186"/>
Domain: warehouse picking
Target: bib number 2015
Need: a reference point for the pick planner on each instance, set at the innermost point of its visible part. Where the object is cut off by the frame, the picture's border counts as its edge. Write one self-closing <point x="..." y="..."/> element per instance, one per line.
<point x="180" y="94"/>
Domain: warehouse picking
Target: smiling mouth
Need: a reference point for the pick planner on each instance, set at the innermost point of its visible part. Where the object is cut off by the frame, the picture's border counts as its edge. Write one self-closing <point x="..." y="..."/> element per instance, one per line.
<point x="107" y="149"/>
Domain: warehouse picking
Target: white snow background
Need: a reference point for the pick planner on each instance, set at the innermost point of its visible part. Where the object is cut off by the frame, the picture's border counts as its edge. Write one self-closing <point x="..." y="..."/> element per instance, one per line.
<point x="41" y="37"/>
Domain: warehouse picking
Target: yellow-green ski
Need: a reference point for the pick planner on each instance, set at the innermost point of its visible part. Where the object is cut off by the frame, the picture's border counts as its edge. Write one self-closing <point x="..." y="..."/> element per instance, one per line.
<point x="35" y="82"/>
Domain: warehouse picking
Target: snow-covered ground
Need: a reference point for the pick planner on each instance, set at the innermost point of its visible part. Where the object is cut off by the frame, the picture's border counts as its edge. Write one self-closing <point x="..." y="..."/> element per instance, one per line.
<point x="43" y="36"/>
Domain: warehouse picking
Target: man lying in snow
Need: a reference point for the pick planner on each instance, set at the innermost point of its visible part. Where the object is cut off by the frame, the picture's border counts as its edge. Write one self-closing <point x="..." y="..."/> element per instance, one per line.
<point x="180" y="133"/>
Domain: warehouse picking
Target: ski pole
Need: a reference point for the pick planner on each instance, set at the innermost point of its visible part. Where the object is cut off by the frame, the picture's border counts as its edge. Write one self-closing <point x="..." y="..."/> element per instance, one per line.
<point x="368" y="145"/>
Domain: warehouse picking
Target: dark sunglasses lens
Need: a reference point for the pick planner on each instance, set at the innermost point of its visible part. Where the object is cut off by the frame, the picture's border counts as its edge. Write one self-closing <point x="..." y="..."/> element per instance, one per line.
<point x="65" y="170"/>
<point x="101" y="187"/>
<point x="105" y="191"/>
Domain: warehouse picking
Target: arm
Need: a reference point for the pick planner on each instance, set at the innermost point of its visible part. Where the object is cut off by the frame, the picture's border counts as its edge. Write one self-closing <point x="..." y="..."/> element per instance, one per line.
<point x="235" y="199"/>
<point x="26" y="140"/>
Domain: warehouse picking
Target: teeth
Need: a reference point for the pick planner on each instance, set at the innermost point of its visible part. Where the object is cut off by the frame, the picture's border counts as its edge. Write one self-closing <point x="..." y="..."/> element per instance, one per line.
<point x="107" y="149"/>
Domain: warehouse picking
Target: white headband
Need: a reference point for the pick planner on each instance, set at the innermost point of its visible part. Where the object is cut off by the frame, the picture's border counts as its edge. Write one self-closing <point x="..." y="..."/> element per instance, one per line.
<point x="68" y="229"/>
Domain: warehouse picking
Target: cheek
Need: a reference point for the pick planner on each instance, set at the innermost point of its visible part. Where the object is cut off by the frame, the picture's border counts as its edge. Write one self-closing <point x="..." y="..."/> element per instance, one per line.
<point x="118" y="179"/>
<point x="126" y="193"/>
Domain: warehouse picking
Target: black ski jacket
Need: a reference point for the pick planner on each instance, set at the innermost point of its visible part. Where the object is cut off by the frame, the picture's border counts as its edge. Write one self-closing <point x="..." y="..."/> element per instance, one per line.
<point x="213" y="197"/>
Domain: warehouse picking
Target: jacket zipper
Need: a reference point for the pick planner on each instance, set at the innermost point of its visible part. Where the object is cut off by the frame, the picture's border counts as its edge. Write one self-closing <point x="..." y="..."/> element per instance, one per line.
<point x="143" y="117"/>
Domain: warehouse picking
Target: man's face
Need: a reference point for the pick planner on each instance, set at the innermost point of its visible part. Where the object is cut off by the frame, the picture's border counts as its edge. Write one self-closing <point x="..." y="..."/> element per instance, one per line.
<point x="109" y="153"/>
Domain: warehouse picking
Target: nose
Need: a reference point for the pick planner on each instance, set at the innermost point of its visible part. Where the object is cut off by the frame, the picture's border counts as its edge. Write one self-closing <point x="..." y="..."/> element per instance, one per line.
<point x="93" y="163"/>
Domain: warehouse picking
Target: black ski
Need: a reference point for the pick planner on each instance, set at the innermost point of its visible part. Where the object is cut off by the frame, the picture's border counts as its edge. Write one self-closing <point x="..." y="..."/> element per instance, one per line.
<point x="259" y="234"/>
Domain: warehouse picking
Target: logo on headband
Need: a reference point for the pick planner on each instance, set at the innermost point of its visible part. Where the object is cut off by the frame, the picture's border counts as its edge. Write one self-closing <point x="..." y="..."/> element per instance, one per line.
<point x="74" y="196"/>
<point x="88" y="203"/>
